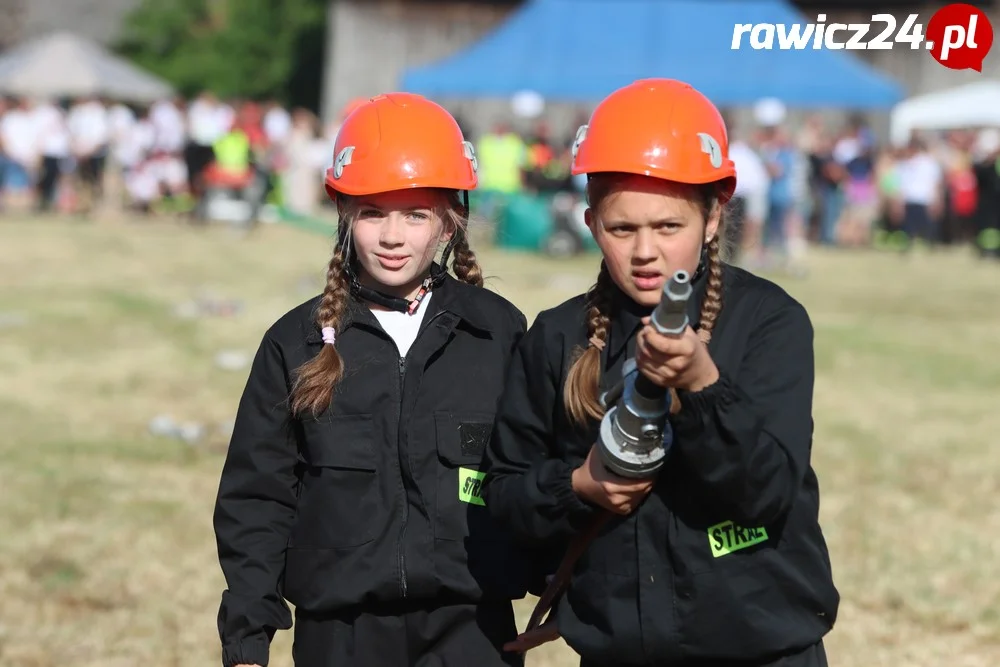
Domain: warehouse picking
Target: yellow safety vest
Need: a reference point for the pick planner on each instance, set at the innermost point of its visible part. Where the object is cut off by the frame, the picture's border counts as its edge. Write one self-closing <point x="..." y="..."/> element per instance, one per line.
<point x="500" y="162"/>
<point x="232" y="151"/>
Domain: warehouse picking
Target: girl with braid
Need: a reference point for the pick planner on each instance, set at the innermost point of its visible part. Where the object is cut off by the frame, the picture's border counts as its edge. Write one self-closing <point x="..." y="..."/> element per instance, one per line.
<point x="353" y="486"/>
<point x="716" y="559"/>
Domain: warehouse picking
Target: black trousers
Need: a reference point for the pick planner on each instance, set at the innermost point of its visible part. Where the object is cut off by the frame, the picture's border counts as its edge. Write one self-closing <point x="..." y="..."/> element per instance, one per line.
<point x="445" y="636"/>
<point x="196" y="158"/>
<point x="91" y="170"/>
<point x="48" y="183"/>
<point x="814" y="656"/>
<point x="918" y="223"/>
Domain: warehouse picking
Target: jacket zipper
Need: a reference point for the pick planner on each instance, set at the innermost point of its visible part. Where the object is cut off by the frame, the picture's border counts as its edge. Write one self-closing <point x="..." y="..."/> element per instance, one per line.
<point x="400" y="549"/>
<point x="400" y="557"/>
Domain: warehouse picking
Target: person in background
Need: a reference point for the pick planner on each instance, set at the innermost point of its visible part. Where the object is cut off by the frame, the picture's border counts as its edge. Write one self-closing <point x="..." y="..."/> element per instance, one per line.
<point x="803" y="207"/>
<point x="141" y="187"/>
<point x="540" y="153"/>
<point x="828" y="176"/>
<point x="20" y="145"/>
<point x="502" y="154"/>
<point x="207" y="121"/>
<point x="250" y="121"/>
<point x="168" y="119"/>
<point x="306" y="158"/>
<point x="55" y="149"/>
<point x="4" y="160"/>
<point x="157" y="183"/>
<point x="784" y="229"/>
<point x="277" y="123"/>
<point x="121" y="120"/>
<point x="169" y="172"/>
<point x="90" y="136"/>
<point x="987" y="172"/>
<point x="277" y="126"/>
<point x="813" y="141"/>
<point x="961" y="192"/>
<point x="232" y="154"/>
<point x="921" y="182"/>
<point x="135" y="143"/>
<point x="748" y="207"/>
<point x="889" y="219"/>
<point x="855" y="155"/>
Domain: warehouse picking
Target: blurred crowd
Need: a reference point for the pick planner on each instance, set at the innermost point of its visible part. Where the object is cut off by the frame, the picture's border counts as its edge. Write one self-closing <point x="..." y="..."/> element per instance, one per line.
<point x="61" y="155"/>
<point x="837" y="186"/>
<point x="832" y="185"/>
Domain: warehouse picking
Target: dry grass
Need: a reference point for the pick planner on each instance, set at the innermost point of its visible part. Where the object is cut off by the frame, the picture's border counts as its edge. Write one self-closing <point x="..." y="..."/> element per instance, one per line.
<point x="108" y="556"/>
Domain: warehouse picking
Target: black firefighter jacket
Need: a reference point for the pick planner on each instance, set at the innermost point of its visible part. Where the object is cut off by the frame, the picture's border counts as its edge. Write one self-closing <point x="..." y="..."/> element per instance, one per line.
<point x="725" y="558"/>
<point x="378" y="499"/>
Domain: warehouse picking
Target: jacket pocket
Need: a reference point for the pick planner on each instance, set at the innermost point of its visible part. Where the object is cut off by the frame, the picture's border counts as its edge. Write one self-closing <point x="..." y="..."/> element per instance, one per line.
<point x="460" y="511"/>
<point x="338" y="503"/>
<point x="790" y="600"/>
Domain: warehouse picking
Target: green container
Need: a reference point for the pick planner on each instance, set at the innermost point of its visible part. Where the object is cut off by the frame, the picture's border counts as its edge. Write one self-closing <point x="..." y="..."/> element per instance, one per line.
<point x="524" y="222"/>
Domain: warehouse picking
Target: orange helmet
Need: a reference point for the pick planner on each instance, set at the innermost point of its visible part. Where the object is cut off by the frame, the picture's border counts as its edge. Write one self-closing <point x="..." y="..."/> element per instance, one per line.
<point x="399" y="141"/>
<point x="657" y="127"/>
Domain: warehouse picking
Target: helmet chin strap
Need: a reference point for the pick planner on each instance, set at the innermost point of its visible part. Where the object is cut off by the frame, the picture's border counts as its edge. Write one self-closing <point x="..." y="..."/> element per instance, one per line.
<point x="399" y="304"/>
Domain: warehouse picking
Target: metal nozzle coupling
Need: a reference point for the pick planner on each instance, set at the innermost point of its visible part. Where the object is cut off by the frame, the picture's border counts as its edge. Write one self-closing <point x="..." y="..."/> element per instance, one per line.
<point x="670" y="316"/>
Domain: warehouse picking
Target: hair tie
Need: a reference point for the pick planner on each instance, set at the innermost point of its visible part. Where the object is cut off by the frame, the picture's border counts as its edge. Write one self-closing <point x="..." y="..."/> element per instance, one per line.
<point x="597" y="342"/>
<point x="329" y="335"/>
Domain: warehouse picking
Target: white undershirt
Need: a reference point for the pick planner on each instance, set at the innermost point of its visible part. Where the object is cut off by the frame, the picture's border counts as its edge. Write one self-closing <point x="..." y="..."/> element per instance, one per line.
<point x="402" y="327"/>
<point x="919" y="179"/>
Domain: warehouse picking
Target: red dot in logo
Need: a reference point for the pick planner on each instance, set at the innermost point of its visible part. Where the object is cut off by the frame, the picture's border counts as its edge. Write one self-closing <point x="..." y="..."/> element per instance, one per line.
<point x="961" y="36"/>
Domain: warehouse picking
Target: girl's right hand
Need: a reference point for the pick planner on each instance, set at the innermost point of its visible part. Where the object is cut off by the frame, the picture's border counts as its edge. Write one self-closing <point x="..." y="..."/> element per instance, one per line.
<point x="594" y="482"/>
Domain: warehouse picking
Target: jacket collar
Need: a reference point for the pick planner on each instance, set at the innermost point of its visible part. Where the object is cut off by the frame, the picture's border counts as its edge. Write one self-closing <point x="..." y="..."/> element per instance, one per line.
<point x="626" y="315"/>
<point x="452" y="296"/>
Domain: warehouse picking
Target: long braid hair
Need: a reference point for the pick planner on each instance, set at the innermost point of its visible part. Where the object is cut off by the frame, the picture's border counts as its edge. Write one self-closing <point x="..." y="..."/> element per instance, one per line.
<point x="315" y="380"/>
<point x="581" y="393"/>
<point x="464" y="263"/>
<point x="712" y="304"/>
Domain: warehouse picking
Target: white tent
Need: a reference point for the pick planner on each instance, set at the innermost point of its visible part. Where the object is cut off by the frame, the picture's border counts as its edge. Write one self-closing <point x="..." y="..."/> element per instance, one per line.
<point x="976" y="105"/>
<point x="63" y="64"/>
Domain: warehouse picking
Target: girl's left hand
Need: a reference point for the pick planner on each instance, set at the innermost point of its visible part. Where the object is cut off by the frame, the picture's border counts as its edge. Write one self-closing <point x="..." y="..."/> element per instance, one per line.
<point x="681" y="363"/>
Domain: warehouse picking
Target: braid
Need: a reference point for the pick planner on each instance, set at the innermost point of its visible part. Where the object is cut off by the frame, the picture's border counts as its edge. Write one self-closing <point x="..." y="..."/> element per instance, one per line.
<point x="712" y="304"/>
<point x="599" y="314"/>
<point x="464" y="263"/>
<point x="314" y="381"/>
<point x="580" y="396"/>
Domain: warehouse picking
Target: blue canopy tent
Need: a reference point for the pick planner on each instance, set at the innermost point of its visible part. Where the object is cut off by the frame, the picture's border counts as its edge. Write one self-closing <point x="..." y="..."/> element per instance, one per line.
<point x="581" y="50"/>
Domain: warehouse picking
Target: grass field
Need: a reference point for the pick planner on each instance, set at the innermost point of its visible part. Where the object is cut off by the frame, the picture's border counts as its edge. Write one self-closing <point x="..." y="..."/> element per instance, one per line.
<point x="108" y="559"/>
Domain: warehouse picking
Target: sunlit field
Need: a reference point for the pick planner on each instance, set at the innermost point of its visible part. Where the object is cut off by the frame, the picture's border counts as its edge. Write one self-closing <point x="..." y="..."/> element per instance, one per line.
<point x="108" y="557"/>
